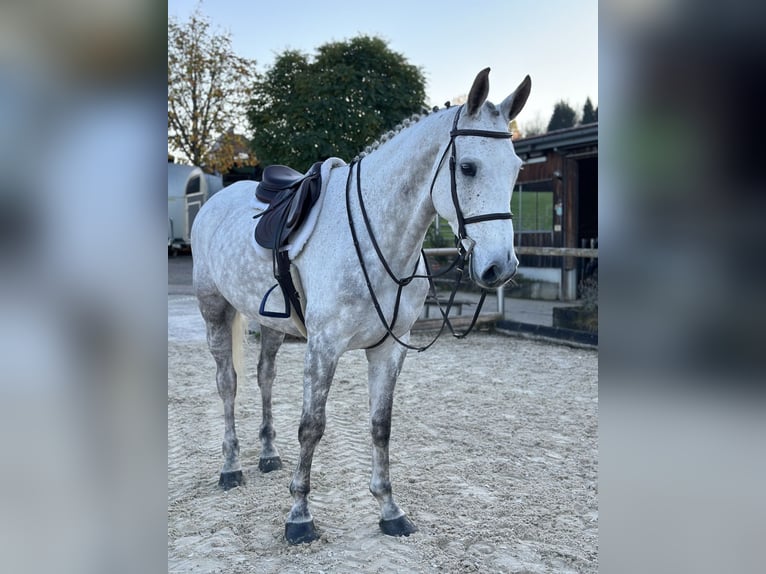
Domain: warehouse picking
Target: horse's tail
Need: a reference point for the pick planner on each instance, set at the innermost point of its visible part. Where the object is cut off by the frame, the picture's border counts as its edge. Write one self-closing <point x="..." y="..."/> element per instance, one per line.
<point x="238" y="326"/>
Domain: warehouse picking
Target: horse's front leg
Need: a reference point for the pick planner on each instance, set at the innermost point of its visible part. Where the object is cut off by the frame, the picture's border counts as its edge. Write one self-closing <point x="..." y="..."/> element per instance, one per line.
<point x="319" y="369"/>
<point x="384" y="365"/>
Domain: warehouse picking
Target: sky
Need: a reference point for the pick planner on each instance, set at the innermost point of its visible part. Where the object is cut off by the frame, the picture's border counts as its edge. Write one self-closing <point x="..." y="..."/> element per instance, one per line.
<point x="554" y="41"/>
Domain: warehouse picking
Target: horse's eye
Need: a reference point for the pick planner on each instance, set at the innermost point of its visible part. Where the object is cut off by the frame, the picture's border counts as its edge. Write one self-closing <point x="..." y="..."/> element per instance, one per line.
<point x="468" y="168"/>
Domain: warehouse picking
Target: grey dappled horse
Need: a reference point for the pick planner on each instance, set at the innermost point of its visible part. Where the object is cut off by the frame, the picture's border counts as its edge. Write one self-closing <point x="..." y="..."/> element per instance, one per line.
<point x="459" y="163"/>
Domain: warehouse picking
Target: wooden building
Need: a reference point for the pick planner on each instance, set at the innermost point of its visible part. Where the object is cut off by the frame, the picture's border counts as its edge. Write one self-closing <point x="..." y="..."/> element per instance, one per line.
<point x="555" y="202"/>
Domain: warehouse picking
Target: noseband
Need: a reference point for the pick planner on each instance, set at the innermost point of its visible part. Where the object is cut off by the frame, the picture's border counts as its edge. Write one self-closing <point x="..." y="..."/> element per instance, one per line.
<point x="465" y="243"/>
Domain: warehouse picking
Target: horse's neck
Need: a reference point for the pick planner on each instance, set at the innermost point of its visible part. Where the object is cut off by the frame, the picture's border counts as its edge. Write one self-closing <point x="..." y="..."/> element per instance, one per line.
<point x="395" y="183"/>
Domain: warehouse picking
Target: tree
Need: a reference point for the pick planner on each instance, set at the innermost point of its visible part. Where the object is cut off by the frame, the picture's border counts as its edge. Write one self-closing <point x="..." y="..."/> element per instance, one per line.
<point x="534" y="127"/>
<point x="589" y="115"/>
<point x="208" y="88"/>
<point x="308" y="109"/>
<point x="513" y="127"/>
<point x="563" y="117"/>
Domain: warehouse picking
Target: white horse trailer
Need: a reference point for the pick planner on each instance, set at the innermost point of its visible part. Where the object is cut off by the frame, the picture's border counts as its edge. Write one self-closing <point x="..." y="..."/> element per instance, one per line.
<point x="188" y="188"/>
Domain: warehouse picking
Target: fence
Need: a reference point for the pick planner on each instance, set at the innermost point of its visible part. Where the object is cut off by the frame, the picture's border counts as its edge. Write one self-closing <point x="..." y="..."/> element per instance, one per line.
<point x="578" y="252"/>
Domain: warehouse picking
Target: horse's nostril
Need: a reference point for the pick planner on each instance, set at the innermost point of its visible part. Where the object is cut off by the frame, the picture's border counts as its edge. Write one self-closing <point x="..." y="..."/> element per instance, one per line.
<point x="490" y="275"/>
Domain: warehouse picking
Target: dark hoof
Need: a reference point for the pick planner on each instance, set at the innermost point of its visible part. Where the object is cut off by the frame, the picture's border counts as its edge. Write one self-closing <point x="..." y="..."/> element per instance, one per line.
<point x="401" y="526"/>
<point x="269" y="464"/>
<point x="231" y="479"/>
<point x="300" y="532"/>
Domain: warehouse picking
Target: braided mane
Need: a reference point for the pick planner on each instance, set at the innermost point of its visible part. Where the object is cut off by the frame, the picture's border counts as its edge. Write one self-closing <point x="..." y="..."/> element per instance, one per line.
<point x="403" y="125"/>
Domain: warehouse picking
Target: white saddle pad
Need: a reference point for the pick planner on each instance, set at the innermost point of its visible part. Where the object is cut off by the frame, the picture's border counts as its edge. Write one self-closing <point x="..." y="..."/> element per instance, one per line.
<point x="302" y="234"/>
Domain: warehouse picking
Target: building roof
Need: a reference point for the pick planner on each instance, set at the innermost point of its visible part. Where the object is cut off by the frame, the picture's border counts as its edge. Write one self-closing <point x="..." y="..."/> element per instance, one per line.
<point x="565" y="141"/>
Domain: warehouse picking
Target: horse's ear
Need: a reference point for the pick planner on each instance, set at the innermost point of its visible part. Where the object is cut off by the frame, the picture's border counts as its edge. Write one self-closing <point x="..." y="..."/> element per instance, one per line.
<point x="479" y="92"/>
<point x="513" y="104"/>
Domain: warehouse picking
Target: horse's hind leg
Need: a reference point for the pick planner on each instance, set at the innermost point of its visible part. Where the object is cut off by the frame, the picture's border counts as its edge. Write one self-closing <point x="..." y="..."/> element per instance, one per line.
<point x="220" y="318"/>
<point x="271" y="340"/>
<point x="384" y="364"/>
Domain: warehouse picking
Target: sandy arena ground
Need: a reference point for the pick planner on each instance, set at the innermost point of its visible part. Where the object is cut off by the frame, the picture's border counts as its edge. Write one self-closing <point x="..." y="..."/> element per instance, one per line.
<point x="494" y="454"/>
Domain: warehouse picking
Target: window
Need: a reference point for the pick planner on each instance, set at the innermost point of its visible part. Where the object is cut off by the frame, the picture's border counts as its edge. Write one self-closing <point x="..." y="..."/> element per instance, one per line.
<point x="193" y="185"/>
<point x="532" y="207"/>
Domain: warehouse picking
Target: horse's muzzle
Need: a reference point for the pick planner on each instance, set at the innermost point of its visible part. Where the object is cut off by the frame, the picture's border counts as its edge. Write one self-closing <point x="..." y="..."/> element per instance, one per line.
<point x="496" y="273"/>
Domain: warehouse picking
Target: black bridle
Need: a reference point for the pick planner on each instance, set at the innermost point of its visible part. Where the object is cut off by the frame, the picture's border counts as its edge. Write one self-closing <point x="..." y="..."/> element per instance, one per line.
<point x="465" y="243"/>
<point x="462" y="221"/>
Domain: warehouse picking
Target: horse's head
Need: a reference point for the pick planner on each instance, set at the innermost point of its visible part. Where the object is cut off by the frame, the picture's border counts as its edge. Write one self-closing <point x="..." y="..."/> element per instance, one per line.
<point x="474" y="194"/>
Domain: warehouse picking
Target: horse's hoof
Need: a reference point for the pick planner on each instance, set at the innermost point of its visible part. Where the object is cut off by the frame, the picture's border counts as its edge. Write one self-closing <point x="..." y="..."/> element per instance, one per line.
<point x="269" y="464"/>
<point x="401" y="526"/>
<point x="301" y="532"/>
<point x="231" y="479"/>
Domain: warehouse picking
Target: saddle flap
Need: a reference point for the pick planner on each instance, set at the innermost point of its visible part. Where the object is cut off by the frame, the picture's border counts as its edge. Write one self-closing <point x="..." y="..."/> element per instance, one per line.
<point x="296" y="206"/>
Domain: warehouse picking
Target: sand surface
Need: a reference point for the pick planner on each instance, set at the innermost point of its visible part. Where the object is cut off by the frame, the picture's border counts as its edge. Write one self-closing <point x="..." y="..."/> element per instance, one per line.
<point x="494" y="454"/>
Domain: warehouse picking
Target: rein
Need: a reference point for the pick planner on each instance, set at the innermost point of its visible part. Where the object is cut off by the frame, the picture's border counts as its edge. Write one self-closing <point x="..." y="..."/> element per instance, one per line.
<point x="465" y="243"/>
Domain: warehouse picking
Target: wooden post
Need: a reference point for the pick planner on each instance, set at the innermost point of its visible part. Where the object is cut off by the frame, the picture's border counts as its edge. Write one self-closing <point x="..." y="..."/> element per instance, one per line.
<point x="568" y="267"/>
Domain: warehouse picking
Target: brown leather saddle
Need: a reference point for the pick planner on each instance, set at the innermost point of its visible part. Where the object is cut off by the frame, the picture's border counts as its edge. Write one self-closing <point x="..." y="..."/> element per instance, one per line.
<point x="290" y="196"/>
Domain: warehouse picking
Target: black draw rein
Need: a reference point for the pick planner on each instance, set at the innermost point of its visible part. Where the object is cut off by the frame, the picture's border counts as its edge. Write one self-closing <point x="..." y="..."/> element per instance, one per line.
<point x="465" y="243"/>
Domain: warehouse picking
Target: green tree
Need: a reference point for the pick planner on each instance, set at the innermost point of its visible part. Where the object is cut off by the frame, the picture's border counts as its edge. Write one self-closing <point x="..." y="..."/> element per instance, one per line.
<point x="589" y="115"/>
<point x="563" y="117"/>
<point x="208" y="88"/>
<point x="306" y="109"/>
